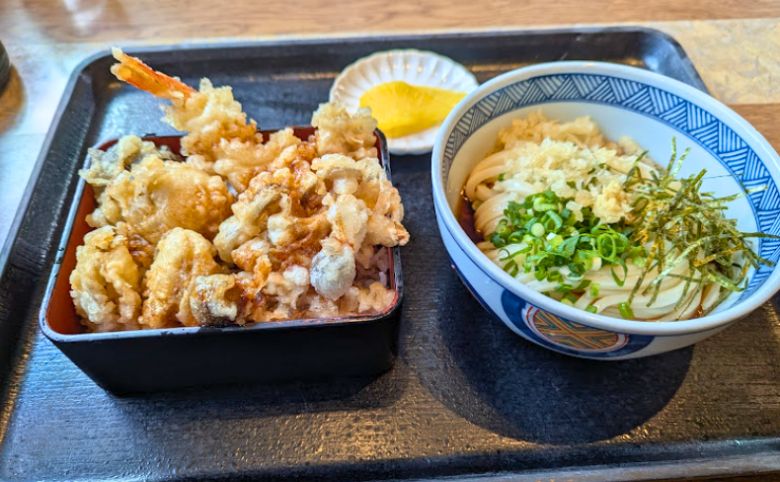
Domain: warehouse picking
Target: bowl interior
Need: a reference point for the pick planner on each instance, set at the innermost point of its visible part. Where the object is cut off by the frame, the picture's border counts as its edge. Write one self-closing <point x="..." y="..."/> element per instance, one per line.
<point x="652" y="135"/>
<point x="644" y="112"/>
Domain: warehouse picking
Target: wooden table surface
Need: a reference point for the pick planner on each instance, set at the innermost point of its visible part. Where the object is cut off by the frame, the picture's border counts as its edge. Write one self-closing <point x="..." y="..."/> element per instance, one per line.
<point x="734" y="44"/>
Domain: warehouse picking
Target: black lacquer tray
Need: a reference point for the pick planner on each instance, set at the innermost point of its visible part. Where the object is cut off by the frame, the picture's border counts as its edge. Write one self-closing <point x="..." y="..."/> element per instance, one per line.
<point x="465" y="397"/>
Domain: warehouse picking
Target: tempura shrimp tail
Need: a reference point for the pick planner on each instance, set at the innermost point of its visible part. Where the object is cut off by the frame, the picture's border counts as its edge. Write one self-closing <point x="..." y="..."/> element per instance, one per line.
<point x="136" y="73"/>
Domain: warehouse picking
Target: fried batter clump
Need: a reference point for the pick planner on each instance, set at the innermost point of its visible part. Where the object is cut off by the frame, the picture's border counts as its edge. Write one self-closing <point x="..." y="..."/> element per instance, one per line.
<point x="239" y="161"/>
<point x="298" y="225"/>
<point x="338" y="132"/>
<point x="283" y="203"/>
<point x="367" y="181"/>
<point x="210" y="116"/>
<point x="316" y="215"/>
<point x="182" y="256"/>
<point x="156" y="194"/>
<point x="106" y="282"/>
<point x="214" y="300"/>
<point x="375" y="298"/>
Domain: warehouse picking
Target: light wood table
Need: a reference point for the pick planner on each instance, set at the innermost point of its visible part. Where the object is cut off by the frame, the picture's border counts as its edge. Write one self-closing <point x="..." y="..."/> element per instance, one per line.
<point x="735" y="46"/>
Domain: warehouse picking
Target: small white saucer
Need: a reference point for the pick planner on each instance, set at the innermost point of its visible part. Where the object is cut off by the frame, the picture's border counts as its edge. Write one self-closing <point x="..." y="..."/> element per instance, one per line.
<point x="415" y="67"/>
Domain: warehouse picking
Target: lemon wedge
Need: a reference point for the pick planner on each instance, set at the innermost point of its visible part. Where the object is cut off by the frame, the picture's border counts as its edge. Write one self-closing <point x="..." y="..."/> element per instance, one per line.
<point x="402" y="109"/>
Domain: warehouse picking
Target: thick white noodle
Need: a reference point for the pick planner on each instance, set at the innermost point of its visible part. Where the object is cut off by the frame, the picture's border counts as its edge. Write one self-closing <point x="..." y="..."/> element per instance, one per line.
<point x="511" y="175"/>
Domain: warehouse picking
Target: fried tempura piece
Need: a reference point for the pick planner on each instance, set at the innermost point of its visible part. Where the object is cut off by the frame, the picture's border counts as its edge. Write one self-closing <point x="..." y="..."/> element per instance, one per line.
<point x="384" y="223"/>
<point x="182" y="256"/>
<point x="141" y="76"/>
<point x="253" y="258"/>
<point x="105" y="284"/>
<point x="208" y="115"/>
<point x="333" y="269"/>
<point x="239" y="161"/>
<point x="250" y="215"/>
<point x="374" y="298"/>
<point x="104" y="166"/>
<point x="155" y="196"/>
<point x="286" y="288"/>
<point x="275" y="204"/>
<point x="367" y="181"/>
<point x="214" y="300"/>
<point x="348" y="217"/>
<point x="338" y="132"/>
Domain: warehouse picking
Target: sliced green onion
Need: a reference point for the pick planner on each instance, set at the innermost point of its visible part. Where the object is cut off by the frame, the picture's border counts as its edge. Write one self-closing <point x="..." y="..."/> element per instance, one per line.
<point x="625" y="311"/>
<point x="540" y="205"/>
<point x="594" y="290"/>
<point x="537" y="230"/>
<point x="570" y="297"/>
<point x="555" y="218"/>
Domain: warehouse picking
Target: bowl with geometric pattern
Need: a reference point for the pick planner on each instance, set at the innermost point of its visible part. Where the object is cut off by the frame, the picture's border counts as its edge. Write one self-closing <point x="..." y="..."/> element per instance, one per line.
<point x="623" y="101"/>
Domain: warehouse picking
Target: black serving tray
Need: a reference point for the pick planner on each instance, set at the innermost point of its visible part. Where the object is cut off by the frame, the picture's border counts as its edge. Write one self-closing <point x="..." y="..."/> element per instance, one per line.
<point x="465" y="397"/>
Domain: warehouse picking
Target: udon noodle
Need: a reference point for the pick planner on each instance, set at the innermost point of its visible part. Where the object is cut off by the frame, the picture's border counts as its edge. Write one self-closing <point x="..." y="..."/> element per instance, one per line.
<point x="563" y="210"/>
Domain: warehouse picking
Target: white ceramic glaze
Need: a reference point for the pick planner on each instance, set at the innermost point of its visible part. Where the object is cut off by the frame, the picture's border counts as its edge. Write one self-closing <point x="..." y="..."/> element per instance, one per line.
<point x="412" y="66"/>
<point x="623" y="101"/>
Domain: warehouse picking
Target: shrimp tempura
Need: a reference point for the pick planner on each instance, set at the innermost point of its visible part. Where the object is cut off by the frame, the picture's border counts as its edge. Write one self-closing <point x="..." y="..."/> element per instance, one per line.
<point x="136" y="73"/>
<point x="210" y="116"/>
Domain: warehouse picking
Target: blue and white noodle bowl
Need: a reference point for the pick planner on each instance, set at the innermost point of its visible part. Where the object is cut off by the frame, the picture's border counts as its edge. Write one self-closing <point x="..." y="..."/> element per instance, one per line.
<point x="622" y="101"/>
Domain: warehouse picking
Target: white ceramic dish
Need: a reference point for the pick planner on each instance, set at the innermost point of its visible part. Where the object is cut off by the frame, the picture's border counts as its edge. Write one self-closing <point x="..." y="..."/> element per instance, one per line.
<point x="622" y="100"/>
<point x="415" y="67"/>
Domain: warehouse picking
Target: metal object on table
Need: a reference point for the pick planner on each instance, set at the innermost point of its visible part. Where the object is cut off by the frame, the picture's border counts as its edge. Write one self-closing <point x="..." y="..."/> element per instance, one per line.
<point x="466" y="396"/>
<point x="5" y="67"/>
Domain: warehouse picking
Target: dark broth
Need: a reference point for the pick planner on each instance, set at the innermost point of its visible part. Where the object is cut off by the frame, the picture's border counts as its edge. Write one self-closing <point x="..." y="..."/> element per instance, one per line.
<point x="465" y="215"/>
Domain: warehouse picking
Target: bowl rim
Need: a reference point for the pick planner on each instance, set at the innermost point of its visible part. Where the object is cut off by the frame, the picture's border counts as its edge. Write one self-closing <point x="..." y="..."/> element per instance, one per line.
<point x="764" y="151"/>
